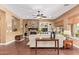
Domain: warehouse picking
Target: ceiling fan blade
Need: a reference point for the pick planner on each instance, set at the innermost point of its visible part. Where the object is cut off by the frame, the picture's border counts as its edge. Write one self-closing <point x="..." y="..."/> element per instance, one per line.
<point x="39" y="15"/>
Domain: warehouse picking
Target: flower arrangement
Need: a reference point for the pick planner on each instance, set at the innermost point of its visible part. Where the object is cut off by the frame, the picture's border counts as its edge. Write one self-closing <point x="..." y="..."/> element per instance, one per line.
<point x="39" y="30"/>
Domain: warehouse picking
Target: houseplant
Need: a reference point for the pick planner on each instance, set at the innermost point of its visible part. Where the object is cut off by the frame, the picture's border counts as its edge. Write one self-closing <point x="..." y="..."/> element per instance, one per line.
<point x="67" y="33"/>
<point x="77" y="34"/>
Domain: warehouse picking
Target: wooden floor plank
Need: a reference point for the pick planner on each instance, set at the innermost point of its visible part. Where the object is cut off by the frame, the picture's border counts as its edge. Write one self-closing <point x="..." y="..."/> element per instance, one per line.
<point x="21" y="48"/>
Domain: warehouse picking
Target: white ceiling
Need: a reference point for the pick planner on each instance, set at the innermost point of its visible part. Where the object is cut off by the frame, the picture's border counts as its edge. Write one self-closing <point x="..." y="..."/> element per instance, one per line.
<point x="28" y="11"/>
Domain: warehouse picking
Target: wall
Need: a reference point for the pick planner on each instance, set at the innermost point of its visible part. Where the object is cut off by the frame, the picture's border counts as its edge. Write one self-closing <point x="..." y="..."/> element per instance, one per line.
<point x="70" y="17"/>
<point x="6" y="17"/>
<point x="30" y="22"/>
<point x="58" y="23"/>
<point x="6" y="33"/>
<point x="2" y="26"/>
<point x="10" y="34"/>
<point x="35" y="23"/>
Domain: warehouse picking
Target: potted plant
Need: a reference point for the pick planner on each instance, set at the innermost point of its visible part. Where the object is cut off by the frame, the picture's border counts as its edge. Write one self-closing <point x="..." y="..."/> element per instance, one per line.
<point x="39" y="30"/>
<point x="77" y="34"/>
<point x="67" y="34"/>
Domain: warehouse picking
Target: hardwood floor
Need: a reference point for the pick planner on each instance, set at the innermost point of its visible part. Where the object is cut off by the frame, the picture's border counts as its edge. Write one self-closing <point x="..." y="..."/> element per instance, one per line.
<point x="21" y="48"/>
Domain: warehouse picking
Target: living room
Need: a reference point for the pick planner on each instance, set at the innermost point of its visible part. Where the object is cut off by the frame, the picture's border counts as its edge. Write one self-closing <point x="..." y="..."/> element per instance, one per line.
<point x="19" y="29"/>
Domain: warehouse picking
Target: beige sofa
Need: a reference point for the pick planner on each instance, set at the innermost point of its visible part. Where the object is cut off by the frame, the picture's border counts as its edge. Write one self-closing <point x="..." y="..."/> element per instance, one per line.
<point x="32" y="39"/>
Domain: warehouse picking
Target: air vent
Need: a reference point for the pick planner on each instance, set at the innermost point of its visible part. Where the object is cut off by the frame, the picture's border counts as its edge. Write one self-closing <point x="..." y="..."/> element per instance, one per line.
<point x="66" y="4"/>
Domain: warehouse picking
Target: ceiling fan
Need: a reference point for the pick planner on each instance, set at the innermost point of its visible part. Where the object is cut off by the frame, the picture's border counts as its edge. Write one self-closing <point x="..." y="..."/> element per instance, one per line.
<point x="40" y="15"/>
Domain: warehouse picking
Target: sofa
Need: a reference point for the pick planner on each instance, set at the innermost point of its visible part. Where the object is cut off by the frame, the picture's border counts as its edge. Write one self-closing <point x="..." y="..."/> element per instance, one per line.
<point x="32" y="40"/>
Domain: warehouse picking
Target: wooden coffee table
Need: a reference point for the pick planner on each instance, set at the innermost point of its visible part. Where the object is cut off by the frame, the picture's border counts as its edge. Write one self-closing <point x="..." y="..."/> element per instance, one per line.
<point x="48" y="39"/>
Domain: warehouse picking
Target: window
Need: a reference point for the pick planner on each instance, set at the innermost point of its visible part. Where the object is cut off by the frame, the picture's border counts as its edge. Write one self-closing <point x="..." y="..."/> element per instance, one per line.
<point x="60" y="29"/>
<point x="76" y="30"/>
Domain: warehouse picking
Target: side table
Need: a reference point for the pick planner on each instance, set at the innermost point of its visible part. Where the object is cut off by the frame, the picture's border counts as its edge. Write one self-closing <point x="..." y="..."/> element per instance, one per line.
<point x="68" y="43"/>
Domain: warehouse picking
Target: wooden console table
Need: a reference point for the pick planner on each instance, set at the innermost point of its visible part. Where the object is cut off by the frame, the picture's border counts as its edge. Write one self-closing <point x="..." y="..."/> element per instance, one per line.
<point x="46" y="39"/>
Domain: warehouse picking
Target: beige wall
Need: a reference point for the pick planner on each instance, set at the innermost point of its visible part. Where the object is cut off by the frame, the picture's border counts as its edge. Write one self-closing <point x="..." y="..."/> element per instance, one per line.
<point x="2" y="26"/>
<point x="35" y="23"/>
<point x="6" y="33"/>
<point x="70" y="17"/>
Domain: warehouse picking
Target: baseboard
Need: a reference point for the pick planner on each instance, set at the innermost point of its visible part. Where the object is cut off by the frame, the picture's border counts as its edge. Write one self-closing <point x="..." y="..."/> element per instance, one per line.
<point x="76" y="46"/>
<point x="7" y="42"/>
<point x="45" y="48"/>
